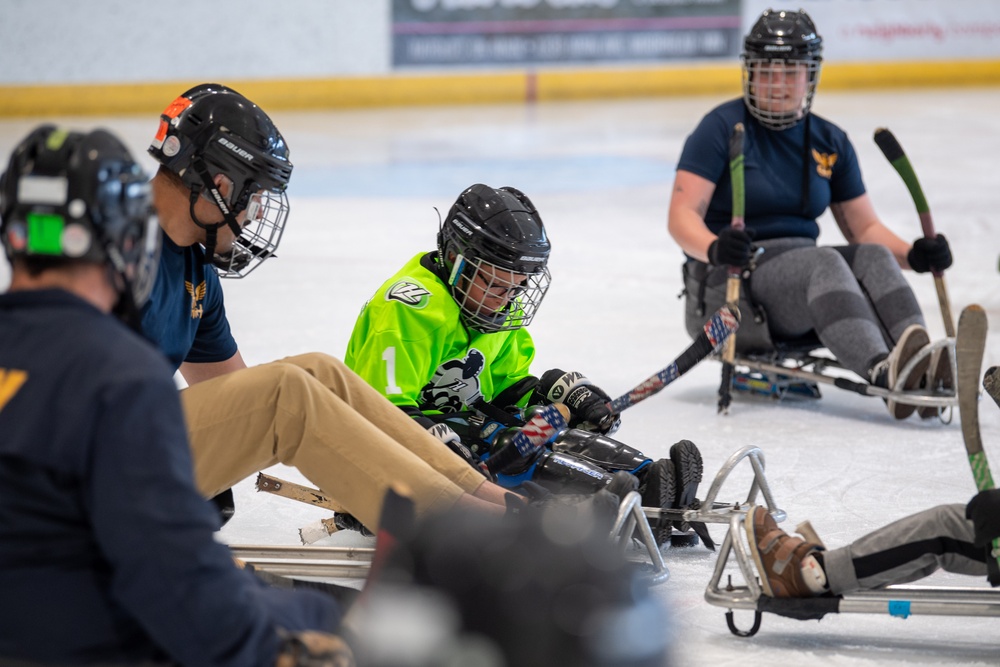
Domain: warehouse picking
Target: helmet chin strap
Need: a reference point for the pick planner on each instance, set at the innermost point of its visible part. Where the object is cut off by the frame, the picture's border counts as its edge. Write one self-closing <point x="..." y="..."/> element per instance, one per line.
<point x="228" y="218"/>
<point x="125" y="307"/>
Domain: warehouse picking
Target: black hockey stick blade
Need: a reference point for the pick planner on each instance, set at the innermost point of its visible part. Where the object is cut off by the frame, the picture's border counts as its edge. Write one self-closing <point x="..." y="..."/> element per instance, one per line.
<point x="717" y="329"/>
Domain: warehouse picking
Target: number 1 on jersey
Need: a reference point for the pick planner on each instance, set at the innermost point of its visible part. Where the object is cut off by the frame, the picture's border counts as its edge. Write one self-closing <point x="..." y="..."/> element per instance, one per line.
<point x="389" y="357"/>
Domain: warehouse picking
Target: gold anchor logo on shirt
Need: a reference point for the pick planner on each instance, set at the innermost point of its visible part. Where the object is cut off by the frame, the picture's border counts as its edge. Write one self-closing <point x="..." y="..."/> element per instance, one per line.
<point x="824" y="163"/>
<point x="197" y="294"/>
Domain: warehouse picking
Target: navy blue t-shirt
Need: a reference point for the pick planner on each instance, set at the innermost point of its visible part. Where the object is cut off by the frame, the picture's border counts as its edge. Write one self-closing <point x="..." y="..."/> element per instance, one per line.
<point x="773" y="172"/>
<point x="107" y="552"/>
<point x="185" y="315"/>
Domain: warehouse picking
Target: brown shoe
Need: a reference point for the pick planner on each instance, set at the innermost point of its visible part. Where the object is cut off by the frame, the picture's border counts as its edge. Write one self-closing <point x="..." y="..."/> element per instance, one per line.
<point x="778" y="556"/>
<point x="939" y="379"/>
<point x="913" y="339"/>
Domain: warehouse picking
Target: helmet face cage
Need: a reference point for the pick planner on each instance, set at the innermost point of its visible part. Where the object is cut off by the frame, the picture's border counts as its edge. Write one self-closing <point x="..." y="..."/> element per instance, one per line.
<point x="266" y="213"/>
<point x="781" y="68"/>
<point x="70" y="196"/>
<point x="210" y="130"/>
<point x="495" y="250"/>
<point x="494" y="299"/>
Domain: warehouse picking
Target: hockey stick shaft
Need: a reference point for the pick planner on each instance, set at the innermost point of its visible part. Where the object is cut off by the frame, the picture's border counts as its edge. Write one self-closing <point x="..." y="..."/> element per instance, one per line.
<point x="969" y="345"/>
<point x="293" y="491"/>
<point x="736" y="161"/>
<point x="893" y="152"/>
<point x="716" y="331"/>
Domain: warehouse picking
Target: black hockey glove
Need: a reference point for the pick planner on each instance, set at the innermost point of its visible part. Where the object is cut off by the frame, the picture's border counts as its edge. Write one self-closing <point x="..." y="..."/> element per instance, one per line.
<point x="929" y="254"/>
<point x="733" y="247"/>
<point x="589" y="404"/>
<point x="984" y="512"/>
<point x="446" y="435"/>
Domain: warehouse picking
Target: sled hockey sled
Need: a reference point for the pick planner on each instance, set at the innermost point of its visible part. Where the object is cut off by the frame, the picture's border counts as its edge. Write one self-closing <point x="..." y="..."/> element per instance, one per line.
<point x="765" y="365"/>
<point x="633" y="525"/>
<point x="900" y="601"/>
<point x="797" y="371"/>
<point x="355" y="562"/>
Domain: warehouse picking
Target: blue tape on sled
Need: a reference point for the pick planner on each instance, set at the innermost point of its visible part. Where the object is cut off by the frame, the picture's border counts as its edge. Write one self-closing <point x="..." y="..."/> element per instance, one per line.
<point x="900" y="608"/>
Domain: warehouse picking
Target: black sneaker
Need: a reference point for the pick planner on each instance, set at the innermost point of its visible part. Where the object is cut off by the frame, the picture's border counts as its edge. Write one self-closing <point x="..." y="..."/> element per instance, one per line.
<point x="688" y="469"/>
<point x="659" y="490"/>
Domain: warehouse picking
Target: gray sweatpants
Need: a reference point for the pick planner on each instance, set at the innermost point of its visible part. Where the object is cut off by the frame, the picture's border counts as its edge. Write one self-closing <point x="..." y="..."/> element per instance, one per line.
<point x="854" y="297"/>
<point x="907" y="550"/>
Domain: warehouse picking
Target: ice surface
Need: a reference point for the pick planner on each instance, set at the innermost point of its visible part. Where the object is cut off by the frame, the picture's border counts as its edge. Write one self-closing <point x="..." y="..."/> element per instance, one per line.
<point x="364" y="191"/>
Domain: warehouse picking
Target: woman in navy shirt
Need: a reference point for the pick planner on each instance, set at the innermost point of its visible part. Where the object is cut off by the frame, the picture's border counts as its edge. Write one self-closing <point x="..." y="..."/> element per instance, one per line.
<point x="854" y="298"/>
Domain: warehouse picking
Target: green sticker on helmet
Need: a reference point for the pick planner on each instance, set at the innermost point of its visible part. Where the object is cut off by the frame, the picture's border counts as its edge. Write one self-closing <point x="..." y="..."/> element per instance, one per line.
<point x="45" y="233"/>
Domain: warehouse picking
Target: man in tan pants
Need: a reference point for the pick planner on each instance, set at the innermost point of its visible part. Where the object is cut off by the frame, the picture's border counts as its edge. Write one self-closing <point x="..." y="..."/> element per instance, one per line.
<point x="220" y="195"/>
<point x="314" y="413"/>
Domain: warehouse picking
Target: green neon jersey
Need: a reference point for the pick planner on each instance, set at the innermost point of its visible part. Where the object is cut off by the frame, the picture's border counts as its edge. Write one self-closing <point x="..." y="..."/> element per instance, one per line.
<point x="409" y="343"/>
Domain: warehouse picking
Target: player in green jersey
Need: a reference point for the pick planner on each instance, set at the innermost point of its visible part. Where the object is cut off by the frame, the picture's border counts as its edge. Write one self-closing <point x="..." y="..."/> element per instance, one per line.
<point x="445" y="339"/>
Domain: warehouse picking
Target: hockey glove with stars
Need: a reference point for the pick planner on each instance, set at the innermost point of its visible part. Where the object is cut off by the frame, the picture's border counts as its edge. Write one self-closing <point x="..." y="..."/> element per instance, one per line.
<point x="588" y="403"/>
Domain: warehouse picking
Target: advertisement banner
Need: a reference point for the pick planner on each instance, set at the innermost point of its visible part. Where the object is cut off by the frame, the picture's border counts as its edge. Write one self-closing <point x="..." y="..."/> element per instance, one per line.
<point x="900" y="30"/>
<point x="471" y="33"/>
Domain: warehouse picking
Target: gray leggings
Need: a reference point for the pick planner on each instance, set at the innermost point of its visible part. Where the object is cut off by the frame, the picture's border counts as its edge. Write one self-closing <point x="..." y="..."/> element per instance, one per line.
<point x="906" y="550"/>
<point x="854" y="298"/>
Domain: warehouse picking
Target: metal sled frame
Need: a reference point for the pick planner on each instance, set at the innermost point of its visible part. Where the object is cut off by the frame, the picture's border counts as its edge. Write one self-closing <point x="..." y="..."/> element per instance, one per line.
<point x="900" y="601"/>
<point x="709" y="511"/>
<point x="355" y="562"/>
<point x="779" y="365"/>
<point x="632" y="519"/>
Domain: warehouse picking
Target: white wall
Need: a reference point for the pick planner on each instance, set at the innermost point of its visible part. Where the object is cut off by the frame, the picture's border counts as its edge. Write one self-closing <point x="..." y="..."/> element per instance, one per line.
<point x="102" y="41"/>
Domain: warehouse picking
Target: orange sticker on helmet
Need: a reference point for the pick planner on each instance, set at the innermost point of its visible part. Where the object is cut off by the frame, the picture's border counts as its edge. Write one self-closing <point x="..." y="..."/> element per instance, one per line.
<point x="172" y="111"/>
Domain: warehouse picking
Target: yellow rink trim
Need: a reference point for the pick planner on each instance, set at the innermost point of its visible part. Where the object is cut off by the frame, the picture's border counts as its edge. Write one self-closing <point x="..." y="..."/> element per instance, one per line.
<point x="481" y="87"/>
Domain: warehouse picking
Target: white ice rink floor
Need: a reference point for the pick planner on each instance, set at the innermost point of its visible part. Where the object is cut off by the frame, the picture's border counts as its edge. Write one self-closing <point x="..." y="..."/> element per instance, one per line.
<point x="363" y="195"/>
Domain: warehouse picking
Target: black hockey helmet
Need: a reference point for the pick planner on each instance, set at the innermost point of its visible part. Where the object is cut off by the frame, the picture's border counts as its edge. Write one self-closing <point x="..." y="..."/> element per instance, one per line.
<point x="212" y="129"/>
<point x="71" y="196"/>
<point x="781" y="37"/>
<point x="490" y="230"/>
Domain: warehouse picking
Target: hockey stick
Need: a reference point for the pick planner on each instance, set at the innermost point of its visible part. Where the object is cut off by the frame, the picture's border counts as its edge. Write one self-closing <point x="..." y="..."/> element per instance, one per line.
<point x="894" y="153"/>
<point x="969" y="344"/>
<point x="733" y="281"/>
<point x="293" y="491"/>
<point x="304" y="494"/>
<point x="717" y="329"/>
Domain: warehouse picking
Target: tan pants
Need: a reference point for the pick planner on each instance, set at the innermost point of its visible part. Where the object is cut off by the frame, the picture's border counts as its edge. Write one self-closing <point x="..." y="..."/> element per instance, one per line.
<point x="314" y="413"/>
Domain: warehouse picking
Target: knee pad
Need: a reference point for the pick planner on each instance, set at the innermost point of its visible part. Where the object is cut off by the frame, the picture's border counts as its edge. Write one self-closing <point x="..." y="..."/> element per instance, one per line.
<point x="565" y="473"/>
